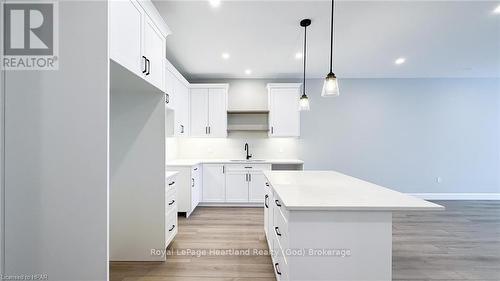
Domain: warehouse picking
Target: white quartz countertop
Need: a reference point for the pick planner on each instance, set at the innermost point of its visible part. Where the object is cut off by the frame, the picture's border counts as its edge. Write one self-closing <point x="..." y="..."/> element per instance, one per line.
<point x="192" y="162"/>
<point x="329" y="190"/>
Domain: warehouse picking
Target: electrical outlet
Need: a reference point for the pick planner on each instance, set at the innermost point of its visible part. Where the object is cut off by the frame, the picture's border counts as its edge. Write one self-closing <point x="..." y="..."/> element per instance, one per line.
<point x="439" y="180"/>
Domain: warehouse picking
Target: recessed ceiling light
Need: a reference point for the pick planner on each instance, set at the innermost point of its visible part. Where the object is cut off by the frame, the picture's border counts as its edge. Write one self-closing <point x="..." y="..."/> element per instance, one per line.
<point x="400" y="61"/>
<point x="214" y="3"/>
<point x="497" y="10"/>
<point x="298" y="55"/>
<point x="248" y="71"/>
<point x="225" y="56"/>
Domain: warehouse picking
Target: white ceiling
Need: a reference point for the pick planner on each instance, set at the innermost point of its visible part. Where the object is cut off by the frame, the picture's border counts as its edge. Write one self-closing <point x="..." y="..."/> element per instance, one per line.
<point x="437" y="38"/>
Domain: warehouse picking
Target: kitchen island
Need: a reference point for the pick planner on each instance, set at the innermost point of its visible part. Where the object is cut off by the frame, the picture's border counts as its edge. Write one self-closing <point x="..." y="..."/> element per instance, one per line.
<point x="324" y="225"/>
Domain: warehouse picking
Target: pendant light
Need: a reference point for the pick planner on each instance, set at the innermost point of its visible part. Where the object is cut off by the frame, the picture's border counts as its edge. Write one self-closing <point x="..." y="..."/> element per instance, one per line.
<point x="331" y="86"/>
<point x="304" y="100"/>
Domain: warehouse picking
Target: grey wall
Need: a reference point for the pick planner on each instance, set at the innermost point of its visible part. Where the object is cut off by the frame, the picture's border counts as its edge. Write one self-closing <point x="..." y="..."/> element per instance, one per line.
<point x="404" y="133"/>
<point x="56" y="180"/>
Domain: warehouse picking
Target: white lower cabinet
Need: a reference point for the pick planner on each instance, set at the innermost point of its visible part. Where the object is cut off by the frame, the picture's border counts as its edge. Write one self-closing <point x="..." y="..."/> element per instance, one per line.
<point x="334" y="244"/>
<point x="170" y="210"/>
<point x="256" y="185"/>
<point x="245" y="183"/>
<point x="190" y="188"/>
<point x="214" y="183"/>
<point x="237" y="186"/>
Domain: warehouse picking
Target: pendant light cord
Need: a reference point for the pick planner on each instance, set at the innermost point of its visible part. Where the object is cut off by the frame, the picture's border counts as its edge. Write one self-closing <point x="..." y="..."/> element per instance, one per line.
<point x="305" y="40"/>
<point x="331" y="37"/>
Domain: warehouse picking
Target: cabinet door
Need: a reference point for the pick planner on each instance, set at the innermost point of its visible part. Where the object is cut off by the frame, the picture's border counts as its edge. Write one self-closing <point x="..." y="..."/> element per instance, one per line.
<point x="184" y="111"/>
<point x="199" y="112"/>
<point x="154" y="51"/>
<point x="125" y="29"/>
<point x="195" y="187"/>
<point x="214" y="185"/>
<point x="237" y="186"/>
<point x="284" y="112"/>
<point x="267" y="199"/>
<point x="169" y="89"/>
<point x="256" y="187"/>
<point x="217" y="120"/>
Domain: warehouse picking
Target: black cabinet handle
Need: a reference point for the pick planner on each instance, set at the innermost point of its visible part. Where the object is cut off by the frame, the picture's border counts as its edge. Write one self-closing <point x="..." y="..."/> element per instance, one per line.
<point x="277" y="230"/>
<point x="192" y="182"/>
<point x="272" y="130"/>
<point x="246" y="177"/>
<point x="196" y="169"/>
<point x="173" y="226"/>
<point x="149" y="66"/>
<point x="167" y="98"/>
<point x="267" y="184"/>
<point x="171" y="203"/>
<point x="172" y="183"/>
<point x="276" y="266"/>
<point x="223" y="169"/>
<point x="209" y="131"/>
<point x="249" y="177"/>
<point x="277" y="203"/>
<point x="206" y="130"/>
<point x="265" y="201"/>
<point x="145" y="65"/>
<point x="248" y="167"/>
<point x="182" y="129"/>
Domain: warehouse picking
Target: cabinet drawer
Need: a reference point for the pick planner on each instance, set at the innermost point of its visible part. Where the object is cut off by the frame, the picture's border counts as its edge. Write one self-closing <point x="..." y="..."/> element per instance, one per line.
<point x="280" y="228"/>
<point x="248" y="167"/>
<point x="278" y="204"/>
<point x="279" y="263"/>
<point x="170" y="184"/>
<point x="171" y="201"/>
<point x="170" y="224"/>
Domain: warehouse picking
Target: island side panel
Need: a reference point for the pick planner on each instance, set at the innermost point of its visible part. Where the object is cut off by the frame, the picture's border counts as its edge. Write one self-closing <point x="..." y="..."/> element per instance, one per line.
<point x="367" y="235"/>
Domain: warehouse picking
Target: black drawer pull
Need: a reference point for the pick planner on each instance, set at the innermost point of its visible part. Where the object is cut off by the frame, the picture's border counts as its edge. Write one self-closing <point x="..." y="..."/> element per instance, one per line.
<point x="277" y="266"/>
<point x="171" y="203"/>
<point x="248" y="167"/>
<point x="173" y="226"/>
<point x="267" y="184"/>
<point x="277" y="230"/>
<point x="277" y="203"/>
<point x="192" y="182"/>
<point x="172" y="183"/>
<point x="196" y="169"/>
<point x="265" y="201"/>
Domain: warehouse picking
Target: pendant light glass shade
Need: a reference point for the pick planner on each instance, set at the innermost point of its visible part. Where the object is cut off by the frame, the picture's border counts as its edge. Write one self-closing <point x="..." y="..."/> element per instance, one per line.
<point x="330" y="86"/>
<point x="304" y="103"/>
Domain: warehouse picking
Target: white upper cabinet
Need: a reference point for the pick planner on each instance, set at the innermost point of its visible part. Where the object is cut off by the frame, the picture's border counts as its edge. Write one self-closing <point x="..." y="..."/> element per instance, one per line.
<point x="177" y="91"/>
<point x="137" y="38"/>
<point x="284" y="114"/>
<point x="125" y="34"/>
<point x="208" y="110"/>
<point x="217" y="112"/>
<point x="199" y="112"/>
<point x="154" y="51"/>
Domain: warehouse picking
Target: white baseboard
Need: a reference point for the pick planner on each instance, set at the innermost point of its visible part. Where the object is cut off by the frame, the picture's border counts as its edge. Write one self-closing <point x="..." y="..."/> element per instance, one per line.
<point x="457" y="196"/>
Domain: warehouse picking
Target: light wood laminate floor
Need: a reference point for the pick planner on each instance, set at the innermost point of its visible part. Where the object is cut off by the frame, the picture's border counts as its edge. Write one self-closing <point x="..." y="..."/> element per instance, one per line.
<point x="461" y="243"/>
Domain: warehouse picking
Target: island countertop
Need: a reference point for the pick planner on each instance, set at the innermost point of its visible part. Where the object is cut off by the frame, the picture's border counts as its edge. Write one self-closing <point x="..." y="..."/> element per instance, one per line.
<point x="329" y="190"/>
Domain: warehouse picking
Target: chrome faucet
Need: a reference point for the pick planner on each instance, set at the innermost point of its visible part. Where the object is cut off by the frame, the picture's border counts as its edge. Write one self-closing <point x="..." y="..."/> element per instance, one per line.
<point x="247" y="150"/>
